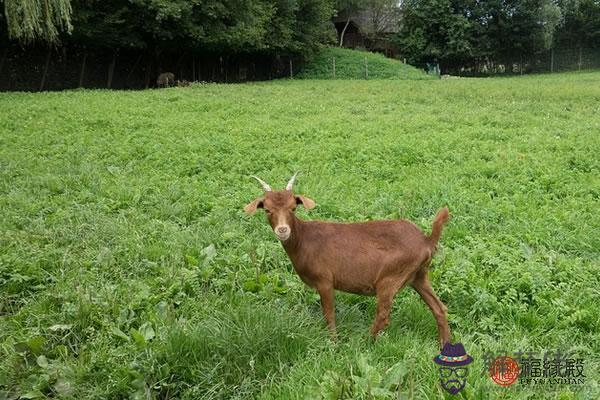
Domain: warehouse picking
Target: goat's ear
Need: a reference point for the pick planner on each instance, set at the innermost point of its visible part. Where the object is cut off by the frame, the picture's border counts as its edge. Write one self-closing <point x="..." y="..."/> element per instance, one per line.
<point x="305" y="201"/>
<point x="257" y="203"/>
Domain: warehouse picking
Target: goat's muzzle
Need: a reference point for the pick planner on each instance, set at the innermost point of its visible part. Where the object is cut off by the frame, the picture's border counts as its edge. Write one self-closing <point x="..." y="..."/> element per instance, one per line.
<point x="282" y="232"/>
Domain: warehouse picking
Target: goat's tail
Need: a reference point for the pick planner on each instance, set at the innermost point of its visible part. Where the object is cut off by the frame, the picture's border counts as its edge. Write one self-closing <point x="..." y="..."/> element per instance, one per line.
<point x="440" y="220"/>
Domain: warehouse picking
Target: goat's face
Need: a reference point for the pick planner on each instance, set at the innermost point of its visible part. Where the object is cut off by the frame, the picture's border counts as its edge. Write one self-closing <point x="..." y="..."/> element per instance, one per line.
<point x="280" y="207"/>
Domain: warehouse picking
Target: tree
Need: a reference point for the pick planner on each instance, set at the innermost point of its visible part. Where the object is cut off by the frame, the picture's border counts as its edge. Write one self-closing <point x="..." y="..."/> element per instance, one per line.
<point x="223" y="26"/>
<point x="209" y="26"/>
<point x="580" y="25"/>
<point x="435" y="30"/>
<point x="383" y="16"/>
<point x="313" y="25"/>
<point x="348" y="8"/>
<point x="463" y="32"/>
<point x="510" y="29"/>
<point x="37" y="20"/>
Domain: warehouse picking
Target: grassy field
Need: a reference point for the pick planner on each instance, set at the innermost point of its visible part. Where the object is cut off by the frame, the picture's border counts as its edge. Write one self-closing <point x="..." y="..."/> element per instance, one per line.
<point x="128" y="269"/>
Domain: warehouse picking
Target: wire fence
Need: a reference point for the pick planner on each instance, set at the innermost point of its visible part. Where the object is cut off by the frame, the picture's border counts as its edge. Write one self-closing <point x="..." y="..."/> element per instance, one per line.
<point x="550" y="61"/>
<point x="562" y="59"/>
<point x="69" y="67"/>
<point x="567" y="59"/>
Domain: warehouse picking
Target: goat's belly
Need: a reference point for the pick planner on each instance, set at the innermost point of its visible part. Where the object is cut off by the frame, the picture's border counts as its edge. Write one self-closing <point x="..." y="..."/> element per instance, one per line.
<point x="356" y="288"/>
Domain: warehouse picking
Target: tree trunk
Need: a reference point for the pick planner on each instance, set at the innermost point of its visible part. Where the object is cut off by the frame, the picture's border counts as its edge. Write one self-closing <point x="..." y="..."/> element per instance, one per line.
<point x="344" y="32"/>
<point x="148" y="71"/>
<point x="137" y="61"/>
<point x="111" y="70"/>
<point x="178" y="71"/>
<point x="82" y="73"/>
<point x="43" y="83"/>
<point x="521" y="64"/>
<point x="193" y="68"/>
<point x="4" y="54"/>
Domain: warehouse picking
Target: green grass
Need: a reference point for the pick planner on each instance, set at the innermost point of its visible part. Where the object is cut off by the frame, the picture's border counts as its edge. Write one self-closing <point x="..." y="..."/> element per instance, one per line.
<point x="350" y="64"/>
<point x="128" y="269"/>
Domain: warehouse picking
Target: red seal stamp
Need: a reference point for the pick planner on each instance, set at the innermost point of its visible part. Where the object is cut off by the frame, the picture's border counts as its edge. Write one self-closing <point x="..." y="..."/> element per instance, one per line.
<point x="504" y="371"/>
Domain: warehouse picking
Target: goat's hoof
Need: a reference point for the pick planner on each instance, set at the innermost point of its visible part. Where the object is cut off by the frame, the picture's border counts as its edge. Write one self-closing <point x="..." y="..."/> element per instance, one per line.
<point x="333" y="336"/>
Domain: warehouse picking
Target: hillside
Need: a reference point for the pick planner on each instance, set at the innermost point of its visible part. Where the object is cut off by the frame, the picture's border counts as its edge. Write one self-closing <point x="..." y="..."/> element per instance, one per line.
<point x="350" y="64"/>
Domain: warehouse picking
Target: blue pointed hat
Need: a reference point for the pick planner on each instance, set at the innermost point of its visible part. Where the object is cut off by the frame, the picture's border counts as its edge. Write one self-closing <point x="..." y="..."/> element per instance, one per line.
<point x="453" y="355"/>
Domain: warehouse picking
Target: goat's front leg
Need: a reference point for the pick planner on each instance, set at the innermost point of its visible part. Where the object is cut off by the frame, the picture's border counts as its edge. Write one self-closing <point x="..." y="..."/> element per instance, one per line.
<point x="327" y="303"/>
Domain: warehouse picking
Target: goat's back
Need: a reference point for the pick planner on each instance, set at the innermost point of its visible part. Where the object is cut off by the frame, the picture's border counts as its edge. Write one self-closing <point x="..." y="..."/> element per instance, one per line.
<point x="356" y="255"/>
<point x="383" y="234"/>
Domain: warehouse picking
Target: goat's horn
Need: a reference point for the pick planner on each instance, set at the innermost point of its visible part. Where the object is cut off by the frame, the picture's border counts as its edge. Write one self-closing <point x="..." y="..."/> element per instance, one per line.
<point x="290" y="184"/>
<point x="264" y="184"/>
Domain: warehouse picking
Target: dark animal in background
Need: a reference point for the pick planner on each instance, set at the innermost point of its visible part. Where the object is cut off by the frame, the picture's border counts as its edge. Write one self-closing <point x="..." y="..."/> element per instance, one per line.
<point x="370" y="258"/>
<point x="166" y="79"/>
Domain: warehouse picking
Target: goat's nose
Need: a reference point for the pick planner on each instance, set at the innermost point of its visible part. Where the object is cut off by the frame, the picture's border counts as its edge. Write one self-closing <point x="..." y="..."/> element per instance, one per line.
<point x="282" y="229"/>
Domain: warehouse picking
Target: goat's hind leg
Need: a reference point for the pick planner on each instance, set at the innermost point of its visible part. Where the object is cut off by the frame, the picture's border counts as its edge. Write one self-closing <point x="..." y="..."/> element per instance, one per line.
<point x="423" y="287"/>
<point x="386" y="290"/>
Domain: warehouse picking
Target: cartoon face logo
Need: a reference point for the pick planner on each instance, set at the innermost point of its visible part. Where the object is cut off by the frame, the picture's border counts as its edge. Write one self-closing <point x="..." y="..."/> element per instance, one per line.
<point x="453" y="379"/>
<point x="453" y="371"/>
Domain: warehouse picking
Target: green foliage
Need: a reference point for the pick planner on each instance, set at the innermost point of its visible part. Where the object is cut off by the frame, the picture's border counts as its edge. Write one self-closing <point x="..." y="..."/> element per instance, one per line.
<point x="349" y="6"/>
<point x="232" y="26"/>
<point x="366" y="382"/>
<point x="37" y="20"/>
<point x="581" y="23"/>
<point x="430" y="31"/>
<point x="459" y="32"/>
<point x="129" y="270"/>
<point x="350" y="64"/>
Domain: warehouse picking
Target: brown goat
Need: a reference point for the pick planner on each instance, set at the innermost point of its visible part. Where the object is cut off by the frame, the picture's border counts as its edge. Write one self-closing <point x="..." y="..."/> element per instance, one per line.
<point x="371" y="258"/>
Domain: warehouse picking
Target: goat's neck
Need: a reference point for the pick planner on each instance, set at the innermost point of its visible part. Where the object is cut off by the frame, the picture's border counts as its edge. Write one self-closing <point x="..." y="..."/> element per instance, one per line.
<point x="293" y="245"/>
